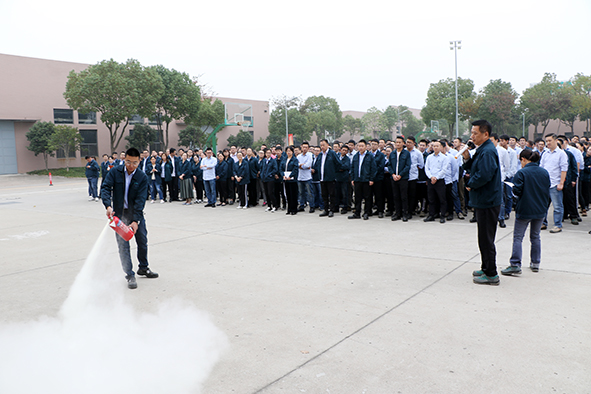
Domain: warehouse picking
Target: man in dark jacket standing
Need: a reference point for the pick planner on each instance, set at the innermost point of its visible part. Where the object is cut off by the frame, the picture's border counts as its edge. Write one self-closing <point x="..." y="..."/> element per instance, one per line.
<point x="363" y="175"/>
<point x="327" y="166"/>
<point x="400" y="168"/>
<point x="124" y="195"/>
<point x="92" y="174"/>
<point x="485" y="197"/>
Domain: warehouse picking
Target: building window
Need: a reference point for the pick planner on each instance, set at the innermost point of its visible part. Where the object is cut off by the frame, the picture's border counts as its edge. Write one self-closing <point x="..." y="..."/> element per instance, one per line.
<point x="153" y="121"/>
<point x="63" y="116"/>
<point x="89" y="145"/>
<point x="136" y="119"/>
<point x="61" y="155"/>
<point x="89" y="118"/>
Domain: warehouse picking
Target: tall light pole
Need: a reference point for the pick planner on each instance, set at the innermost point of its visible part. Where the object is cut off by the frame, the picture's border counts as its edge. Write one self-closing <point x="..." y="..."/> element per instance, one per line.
<point x="287" y="103"/>
<point x="399" y="120"/>
<point x="455" y="45"/>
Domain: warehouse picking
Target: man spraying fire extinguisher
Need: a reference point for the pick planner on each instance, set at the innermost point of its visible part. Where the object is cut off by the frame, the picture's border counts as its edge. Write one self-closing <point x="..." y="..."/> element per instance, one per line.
<point x="124" y="193"/>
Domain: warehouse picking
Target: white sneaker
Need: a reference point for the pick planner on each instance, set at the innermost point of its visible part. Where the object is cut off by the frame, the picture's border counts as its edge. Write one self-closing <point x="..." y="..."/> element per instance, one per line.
<point x="152" y="202"/>
<point x="90" y="198"/>
<point x="161" y="201"/>
<point x="96" y="199"/>
<point x="245" y="207"/>
<point x="273" y="210"/>
<point x="238" y="207"/>
<point x="268" y="209"/>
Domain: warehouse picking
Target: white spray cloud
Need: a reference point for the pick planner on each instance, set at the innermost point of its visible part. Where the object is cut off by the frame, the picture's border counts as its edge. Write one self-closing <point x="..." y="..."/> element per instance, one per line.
<point x="20" y="237"/>
<point x="98" y="343"/>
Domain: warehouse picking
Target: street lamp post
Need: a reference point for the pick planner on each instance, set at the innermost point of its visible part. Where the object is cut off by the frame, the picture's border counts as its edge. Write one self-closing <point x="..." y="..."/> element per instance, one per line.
<point x="523" y="131"/>
<point x="399" y="120"/>
<point x="455" y="45"/>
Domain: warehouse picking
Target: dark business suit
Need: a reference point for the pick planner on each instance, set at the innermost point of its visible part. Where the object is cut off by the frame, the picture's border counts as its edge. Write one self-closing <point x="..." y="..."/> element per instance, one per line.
<point x="377" y="189"/>
<point x="174" y="182"/>
<point x="328" y="178"/>
<point x="400" y="165"/>
<point x="113" y="194"/>
<point x="361" y="178"/>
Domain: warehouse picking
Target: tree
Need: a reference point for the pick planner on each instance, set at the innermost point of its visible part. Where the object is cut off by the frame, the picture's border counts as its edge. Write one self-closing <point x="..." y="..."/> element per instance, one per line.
<point x="412" y="126"/>
<point x="497" y="104"/>
<point x="351" y="125"/>
<point x="540" y="102"/>
<point x="296" y="125"/>
<point x="192" y="137"/>
<point x="141" y="137"/>
<point x="441" y="101"/>
<point x="67" y="139"/>
<point x="581" y="100"/>
<point x="373" y="122"/>
<point x="243" y="138"/>
<point x="117" y="91"/>
<point x="391" y="118"/>
<point x="180" y="99"/>
<point x="39" y="137"/>
<point x="325" y="122"/>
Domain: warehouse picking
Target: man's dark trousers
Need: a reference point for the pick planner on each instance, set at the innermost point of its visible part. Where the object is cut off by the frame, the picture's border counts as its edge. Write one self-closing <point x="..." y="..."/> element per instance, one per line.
<point x="362" y="192"/>
<point x="486" y="222"/>
<point x="174" y="189"/>
<point x="378" y="194"/>
<point x="400" y="189"/>
<point x="329" y="196"/>
<point x="436" y="193"/>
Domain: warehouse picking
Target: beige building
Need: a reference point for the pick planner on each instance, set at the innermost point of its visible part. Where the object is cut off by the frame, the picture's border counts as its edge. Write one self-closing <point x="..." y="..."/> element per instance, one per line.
<point x="32" y="90"/>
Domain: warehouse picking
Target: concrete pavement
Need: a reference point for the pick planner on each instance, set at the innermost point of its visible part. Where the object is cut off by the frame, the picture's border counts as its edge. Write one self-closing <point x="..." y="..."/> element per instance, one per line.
<point x="319" y="305"/>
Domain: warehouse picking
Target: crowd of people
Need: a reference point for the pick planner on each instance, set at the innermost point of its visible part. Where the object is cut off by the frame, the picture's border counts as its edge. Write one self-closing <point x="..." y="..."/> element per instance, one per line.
<point x="490" y="175"/>
<point x="380" y="178"/>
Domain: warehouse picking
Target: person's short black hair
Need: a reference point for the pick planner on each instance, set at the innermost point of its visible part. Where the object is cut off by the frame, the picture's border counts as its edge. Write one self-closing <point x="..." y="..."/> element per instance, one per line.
<point x="399" y="137"/>
<point x="514" y="137"/>
<point x="425" y="141"/>
<point x="105" y="155"/>
<point x="278" y="147"/>
<point x="362" y="140"/>
<point x="552" y="135"/>
<point x="88" y="157"/>
<point x="504" y="137"/>
<point x="290" y="147"/>
<point x="538" y="140"/>
<point x="172" y="150"/>
<point x="324" y="140"/>
<point x="530" y="155"/>
<point x="459" y="139"/>
<point x="305" y="143"/>
<point x="443" y="143"/>
<point x="483" y="126"/>
<point x="351" y="142"/>
<point x="345" y="146"/>
<point x="494" y="136"/>
<point x="114" y="153"/>
<point x="410" y="137"/>
<point x="375" y="140"/>
<point x="522" y="138"/>
<point x="133" y="152"/>
<point x="208" y="149"/>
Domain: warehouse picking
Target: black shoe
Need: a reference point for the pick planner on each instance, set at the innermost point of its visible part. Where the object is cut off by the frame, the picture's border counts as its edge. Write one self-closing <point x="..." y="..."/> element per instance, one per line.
<point x="330" y="214"/>
<point x="325" y="213"/>
<point x="450" y="217"/>
<point x="395" y="218"/>
<point x="300" y="209"/>
<point x="388" y="213"/>
<point x="574" y="221"/>
<point x="287" y="213"/>
<point x="442" y="220"/>
<point x="579" y="219"/>
<point x="354" y="216"/>
<point x="429" y="219"/>
<point x="147" y="273"/>
<point x="365" y="216"/>
<point x="405" y="218"/>
<point x="507" y="217"/>
<point x="473" y="220"/>
<point x="294" y="213"/>
<point x="131" y="283"/>
<point x="343" y="211"/>
<point x="437" y="216"/>
<point x="312" y="210"/>
<point x="460" y="215"/>
<point x="231" y="203"/>
<point x="381" y="215"/>
<point x="502" y="223"/>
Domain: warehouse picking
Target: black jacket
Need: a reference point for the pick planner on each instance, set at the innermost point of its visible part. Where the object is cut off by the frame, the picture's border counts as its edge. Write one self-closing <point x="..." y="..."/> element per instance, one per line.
<point x="113" y="192"/>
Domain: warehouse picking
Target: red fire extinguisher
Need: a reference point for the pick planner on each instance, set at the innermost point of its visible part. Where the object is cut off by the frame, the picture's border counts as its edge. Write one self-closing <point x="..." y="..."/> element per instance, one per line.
<point x="121" y="228"/>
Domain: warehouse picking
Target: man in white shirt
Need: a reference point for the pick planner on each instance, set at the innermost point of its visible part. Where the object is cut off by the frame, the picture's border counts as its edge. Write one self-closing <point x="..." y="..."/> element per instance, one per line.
<point x="505" y="142"/>
<point x="305" y="178"/>
<point x="504" y="165"/>
<point x="208" y="166"/>
<point x="555" y="161"/>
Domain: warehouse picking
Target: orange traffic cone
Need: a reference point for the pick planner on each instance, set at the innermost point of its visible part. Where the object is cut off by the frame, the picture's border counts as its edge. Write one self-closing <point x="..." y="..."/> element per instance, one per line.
<point x="50" y="182"/>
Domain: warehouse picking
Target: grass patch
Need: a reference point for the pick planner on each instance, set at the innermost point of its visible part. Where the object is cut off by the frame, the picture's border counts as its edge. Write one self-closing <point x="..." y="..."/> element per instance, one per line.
<point x="75" y="172"/>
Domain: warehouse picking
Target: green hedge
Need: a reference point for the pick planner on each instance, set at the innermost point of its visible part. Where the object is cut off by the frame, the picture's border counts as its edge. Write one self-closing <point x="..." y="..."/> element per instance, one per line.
<point x="75" y="172"/>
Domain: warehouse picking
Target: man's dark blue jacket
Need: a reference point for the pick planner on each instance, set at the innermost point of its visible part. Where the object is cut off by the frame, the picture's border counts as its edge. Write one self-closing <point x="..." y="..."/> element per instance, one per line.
<point x="113" y="192"/>
<point x="93" y="171"/>
<point x="486" y="190"/>
<point x="332" y="165"/>
<point x="269" y="170"/>
<point x="368" y="168"/>
<point x="380" y="160"/>
<point x="532" y="187"/>
<point x="343" y="173"/>
<point x="403" y="166"/>
<point x="243" y="171"/>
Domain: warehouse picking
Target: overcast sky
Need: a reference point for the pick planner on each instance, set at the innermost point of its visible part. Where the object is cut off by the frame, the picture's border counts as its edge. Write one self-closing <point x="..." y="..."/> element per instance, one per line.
<point x="362" y="53"/>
